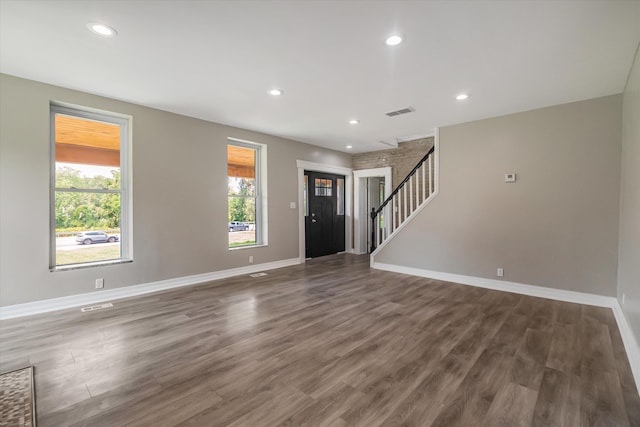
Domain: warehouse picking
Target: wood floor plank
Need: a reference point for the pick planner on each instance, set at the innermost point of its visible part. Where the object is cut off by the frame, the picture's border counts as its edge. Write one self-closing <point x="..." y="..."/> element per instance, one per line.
<point x="542" y="313"/>
<point x="568" y="312"/>
<point x="177" y="411"/>
<point x="385" y="395"/>
<point x="424" y="403"/>
<point x="597" y="350"/>
<point x="290" y="401"/>
<point x="228" y="410"/>
<point x="472" y="399"/>
<point x="329" y="342"/>
<point x="627" y="382"/>
<point x="527" y="367"/>
<point x="327" y="408"/>
<point x="170" y="405"/>
<point x="513" y="406"/>
<point x="562" y="354"/>
<point x="88" y="408"/>
<point x="602" y="402"/>
<point x="510" y="336"/>
<point x="557" y="403"/>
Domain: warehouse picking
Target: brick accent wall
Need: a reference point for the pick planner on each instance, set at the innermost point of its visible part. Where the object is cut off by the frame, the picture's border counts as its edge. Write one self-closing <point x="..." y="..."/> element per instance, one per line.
<point x="401" y="159"/>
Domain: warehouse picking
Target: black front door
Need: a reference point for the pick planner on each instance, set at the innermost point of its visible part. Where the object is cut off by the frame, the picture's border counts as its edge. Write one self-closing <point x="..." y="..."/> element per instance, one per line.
<point x="324" y="214"/>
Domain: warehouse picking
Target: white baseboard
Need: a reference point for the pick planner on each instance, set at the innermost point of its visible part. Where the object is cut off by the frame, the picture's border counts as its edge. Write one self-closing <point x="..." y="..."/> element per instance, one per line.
<point x="44" y="306"/>
<point x="630" y="343"/>
<point x="502" y="285"/>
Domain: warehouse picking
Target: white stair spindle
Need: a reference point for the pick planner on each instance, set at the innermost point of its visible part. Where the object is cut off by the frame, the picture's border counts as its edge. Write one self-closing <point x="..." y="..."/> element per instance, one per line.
<point x="394" y="209"/>
<point x="430" y="176"/>
<point x="410" y="195"/>
<point x="417" y="189"/>
<point x="391" y="216"/>
<point x="404" y="196"/>
<point x="387" y="222"/>
<point x="403" y="205"/>
<point x="424" y="182"/>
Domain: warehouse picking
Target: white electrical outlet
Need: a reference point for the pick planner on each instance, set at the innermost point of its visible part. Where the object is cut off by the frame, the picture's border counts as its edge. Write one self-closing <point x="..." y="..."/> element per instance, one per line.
<point x="99" y="283"/>
<point x="500" y="272"/>
<point x="250" y="259"/>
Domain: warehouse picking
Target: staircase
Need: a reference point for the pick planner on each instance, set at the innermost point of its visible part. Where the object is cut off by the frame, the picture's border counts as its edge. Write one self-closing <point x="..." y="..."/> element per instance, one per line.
<point x="405" y="201"/>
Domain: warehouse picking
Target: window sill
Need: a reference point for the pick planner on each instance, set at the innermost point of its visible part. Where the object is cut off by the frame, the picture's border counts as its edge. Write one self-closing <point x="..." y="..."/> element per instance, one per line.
<point x="237" y="248"/>
<point x="89" y="265"/>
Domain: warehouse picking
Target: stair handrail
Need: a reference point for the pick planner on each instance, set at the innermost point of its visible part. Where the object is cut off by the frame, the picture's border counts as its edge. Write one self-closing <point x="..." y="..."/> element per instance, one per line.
<point x="375" y="212"/>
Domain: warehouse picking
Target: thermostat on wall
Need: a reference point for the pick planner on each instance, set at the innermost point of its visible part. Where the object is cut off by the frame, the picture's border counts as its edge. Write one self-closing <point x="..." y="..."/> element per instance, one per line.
<point x="510" y="177"/>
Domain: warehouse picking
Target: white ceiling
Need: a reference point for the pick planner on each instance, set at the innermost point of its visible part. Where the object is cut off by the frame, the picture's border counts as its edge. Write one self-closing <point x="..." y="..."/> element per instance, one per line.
<point x="216" y="60"/>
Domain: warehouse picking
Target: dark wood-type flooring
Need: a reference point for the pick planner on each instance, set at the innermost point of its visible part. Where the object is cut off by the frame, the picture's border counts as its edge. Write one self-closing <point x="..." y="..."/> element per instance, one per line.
<point x="328" y="343"/>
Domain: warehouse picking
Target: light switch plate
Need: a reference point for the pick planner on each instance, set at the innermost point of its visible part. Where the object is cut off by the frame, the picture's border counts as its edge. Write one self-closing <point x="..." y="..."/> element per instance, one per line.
<point x="292" y="205"/>
<point x="510" y="177"/>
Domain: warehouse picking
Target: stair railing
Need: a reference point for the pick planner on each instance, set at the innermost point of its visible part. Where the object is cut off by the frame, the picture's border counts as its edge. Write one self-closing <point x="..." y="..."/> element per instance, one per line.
<point x="412" y="192"/>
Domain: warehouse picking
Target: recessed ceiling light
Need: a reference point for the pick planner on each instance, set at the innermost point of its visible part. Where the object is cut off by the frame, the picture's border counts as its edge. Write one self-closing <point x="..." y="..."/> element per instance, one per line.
<point x="393" y="40"/>
<point x="102" y="29"/>
<point x="276" y="92"/>
<point x="349" y="147"/>
<point x="462" y="96"/>
<point x="354" y="121"/>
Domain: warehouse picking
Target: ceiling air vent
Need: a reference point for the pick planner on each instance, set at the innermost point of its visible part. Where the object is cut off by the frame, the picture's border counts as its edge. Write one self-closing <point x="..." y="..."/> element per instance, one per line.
<point x="392" y="144"/>
<point x="401" y="111"/>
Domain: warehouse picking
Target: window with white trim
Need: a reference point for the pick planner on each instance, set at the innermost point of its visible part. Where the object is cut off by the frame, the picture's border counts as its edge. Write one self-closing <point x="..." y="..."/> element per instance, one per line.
<point x="245" y="180"/>
<point x="90" y="183"/>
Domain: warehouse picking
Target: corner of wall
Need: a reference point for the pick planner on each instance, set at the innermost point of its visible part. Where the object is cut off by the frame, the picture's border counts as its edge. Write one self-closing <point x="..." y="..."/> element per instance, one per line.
<point x="628" y="290"/>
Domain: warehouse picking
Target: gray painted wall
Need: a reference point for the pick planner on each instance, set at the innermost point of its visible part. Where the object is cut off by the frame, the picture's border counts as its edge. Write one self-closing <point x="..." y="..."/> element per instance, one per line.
<point x="629" y="257"/>
<point x="179" y="195"/>
<point x="557" y="226"/>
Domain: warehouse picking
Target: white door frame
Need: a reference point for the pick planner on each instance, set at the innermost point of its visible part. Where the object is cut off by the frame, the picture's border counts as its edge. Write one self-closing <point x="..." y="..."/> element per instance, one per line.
<point x="360" y="214"/>
<point x="303" y="165"/>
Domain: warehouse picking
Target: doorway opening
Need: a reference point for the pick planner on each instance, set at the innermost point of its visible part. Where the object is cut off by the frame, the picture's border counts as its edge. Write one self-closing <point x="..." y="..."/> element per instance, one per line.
<point x="324" y="211"/>
<point x="371" y="188"/>
<point x="375" y="197"/>
<point x="303" y="166"/>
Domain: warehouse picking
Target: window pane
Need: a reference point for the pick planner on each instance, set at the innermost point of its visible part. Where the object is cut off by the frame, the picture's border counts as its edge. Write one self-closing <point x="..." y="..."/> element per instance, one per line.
<point x="243" y="189"/>
<point x="241" y="186"/>
<point x="87" y="227"/>
<point x="340" y="195"/>
<point x="323" y="187"/>
<point x="241" y="162"/>
<point x="242" y="221"/>
<point x="306" y="195"/>
<point x="70" y="175"/>
<point x="87" y="153"/>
